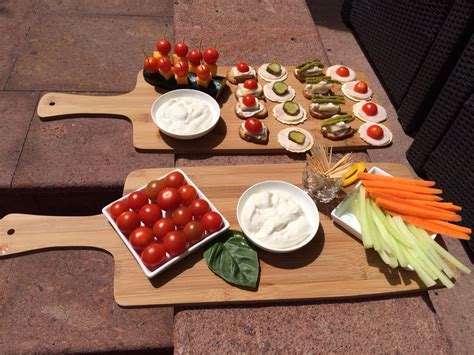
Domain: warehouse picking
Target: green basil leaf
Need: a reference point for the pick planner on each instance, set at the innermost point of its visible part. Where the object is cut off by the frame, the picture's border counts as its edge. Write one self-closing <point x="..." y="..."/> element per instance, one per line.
<point x="232" y="258"/>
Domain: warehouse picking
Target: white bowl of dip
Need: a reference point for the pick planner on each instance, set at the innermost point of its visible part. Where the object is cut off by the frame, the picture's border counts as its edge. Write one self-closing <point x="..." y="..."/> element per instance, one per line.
<point x="185" y="113"/>
<point x="277" y="216"/>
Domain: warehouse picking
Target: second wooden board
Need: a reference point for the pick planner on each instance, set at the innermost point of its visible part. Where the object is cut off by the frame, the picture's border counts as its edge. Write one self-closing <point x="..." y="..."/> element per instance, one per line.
<point x="224" y="138"/>
<point x="334" y="264"/>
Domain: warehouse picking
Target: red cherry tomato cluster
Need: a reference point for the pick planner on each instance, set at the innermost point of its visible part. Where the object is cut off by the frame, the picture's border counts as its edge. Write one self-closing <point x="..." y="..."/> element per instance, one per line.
<point x="201" y="61"/>
<point x="163" y="220"/>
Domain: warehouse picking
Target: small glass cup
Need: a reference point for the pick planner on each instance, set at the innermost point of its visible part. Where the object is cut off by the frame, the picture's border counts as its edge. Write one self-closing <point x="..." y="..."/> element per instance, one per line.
<point x="319" y="187"/>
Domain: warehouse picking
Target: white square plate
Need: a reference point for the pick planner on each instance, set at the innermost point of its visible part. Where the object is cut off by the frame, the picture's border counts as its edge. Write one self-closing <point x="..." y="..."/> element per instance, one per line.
<point x="170" y="260"/>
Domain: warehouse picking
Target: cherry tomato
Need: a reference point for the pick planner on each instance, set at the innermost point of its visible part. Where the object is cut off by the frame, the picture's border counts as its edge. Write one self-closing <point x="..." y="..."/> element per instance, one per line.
<point x="375" y="132"/>
<point x="153" y="255"/>
<point x="118" y="208"/>
<point x="181" y="68"/>
<point x="361" y="87"/>
<point x="149" y="214"/>
<point x="175" y="243"/>
<point x="194" y="231"/>
<point x="370" y="109"/>
<point x="137" y="200"/>
<point x="212" y="221"/>
<point x="175" y="179"/>
<point x="163" y="46"/>
<point x="199" y="207"/>
<point x="140" y="238"/>
<point x="248" y="100"/>
<point x="154" y="187"/>
<point x="188" y="193"/>
<point x="195" y="56"/>
<point x="164" y="64"/>
<point x="163" y="226"/>
<point x="250" y="84"/>
<point x="253" y="125"/>
<point x="181" y="216"/>
<point x="128" y="221"/>
<point x="342" y="71"/>
<point x="181" y="49"/>
<point x="211" y="55"/>
<point x="169" y="198"/>
<point x="243" y="67"/>
<point x="203" y="72"/>
<point x="150" y="65"/>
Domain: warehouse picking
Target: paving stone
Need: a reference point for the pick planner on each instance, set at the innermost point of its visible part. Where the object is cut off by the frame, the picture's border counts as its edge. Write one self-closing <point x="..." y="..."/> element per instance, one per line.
<point x="256" y="32"/>
<point x="397" y="325"/>
<point x="454" y="306"/>
<point x="65" y="302"/>
<point x="85" y="52"/>
<point x="81" y="153"/>
<point x="342" y="48"/>
<point x="16" y="112"/>
<point x="16" y="17"/>
<point x="109" y="7"/>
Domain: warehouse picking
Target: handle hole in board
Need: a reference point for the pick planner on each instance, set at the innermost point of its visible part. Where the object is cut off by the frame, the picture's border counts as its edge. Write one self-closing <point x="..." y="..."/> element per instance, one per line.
<point x="11" y="231"/>
<point x="52" y="103"/>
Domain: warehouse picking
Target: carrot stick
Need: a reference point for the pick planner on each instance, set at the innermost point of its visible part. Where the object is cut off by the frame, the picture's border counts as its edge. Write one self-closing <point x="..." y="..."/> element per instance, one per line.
<point x="434" y="228"/>
<point x="395" y="186"/>
<point x="448" y="206"/>
<point x="413" y="203"/>
<point x="416" y="211"/>
<point x="452" y="226"/>
<point x="406" y="194"/>
<point x="406" y="181"/>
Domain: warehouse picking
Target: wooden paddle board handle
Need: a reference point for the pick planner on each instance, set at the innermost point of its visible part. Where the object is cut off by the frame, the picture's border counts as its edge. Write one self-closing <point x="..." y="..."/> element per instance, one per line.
<point x="55" y="105"/>
<point x="21" y="233"/>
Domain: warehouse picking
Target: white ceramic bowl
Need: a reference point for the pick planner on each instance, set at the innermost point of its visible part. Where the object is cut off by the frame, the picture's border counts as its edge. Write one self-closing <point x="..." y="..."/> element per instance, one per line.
<point x="170" y="261"/>
<point x="306" y="203"/>
<point x="186" y="93"/>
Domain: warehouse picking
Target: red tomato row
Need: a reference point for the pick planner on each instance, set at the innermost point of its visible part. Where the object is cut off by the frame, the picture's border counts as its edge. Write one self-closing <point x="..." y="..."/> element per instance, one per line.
<point x="190" y="218"/>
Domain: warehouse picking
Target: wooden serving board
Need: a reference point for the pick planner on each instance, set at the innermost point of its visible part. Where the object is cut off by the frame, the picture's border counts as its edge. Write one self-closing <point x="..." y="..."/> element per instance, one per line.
<point x="224" y="138"/>
<point x="333" y="265"/>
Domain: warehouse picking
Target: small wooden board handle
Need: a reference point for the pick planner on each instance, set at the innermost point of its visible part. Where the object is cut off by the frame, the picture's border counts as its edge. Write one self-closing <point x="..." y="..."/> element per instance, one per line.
<point x="56" y="104"/>
<point x="21" y="233"/>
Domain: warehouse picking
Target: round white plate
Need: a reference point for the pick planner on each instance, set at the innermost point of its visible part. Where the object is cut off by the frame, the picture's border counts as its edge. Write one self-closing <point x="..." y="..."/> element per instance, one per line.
<point x="186" y="93"/>
<point x="307" y="205"/>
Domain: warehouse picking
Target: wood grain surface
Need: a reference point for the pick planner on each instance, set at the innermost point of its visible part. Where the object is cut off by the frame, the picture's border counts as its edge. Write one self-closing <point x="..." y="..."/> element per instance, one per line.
<point x="224" y="138"/>
<point x="333" y="265"/>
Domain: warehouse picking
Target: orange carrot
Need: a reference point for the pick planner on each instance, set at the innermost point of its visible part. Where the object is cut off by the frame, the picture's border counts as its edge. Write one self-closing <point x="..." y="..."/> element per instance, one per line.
<point x="416" y="211"/>
<point x="452" y="226"/>
<point x="413" y="203"/>
<point x="405" y="181"/>
<point x="448" y="206"/>
<point x="406" y="194"/>
<point x="434" y="228"/>
<point x="395" y="186"/>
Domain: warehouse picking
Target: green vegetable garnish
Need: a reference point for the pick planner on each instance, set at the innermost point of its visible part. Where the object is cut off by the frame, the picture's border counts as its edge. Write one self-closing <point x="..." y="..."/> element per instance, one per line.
<point x="297" y="137"/>
<point x="232" y="258"/>
<point x="291" y="108"/>
<point x="274" y="68"/>
<point x="280" y="88"/>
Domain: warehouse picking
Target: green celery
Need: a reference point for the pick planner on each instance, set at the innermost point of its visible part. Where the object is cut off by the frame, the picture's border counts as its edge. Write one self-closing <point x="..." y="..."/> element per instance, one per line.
<point x="425" y="278"/>
<point x="366" y="238"/>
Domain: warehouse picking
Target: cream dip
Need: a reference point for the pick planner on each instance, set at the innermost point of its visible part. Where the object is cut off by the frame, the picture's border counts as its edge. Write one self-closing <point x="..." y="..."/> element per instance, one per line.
<point x="275" y="219"/>
<point x="185" y="115"/>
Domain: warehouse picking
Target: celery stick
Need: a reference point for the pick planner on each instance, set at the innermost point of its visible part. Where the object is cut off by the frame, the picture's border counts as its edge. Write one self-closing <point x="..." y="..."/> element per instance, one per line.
<point x="397" y="234"/>
<point x="385" y="237"/>
<point x="366" y="239"/>
<point x="347" y="204"/>
<point x="389" y="260"/>
<point x="430" y="252"/>
<point x="372" y="229"/>
<point x="440" y="250"/>
<point x="428" y="281"/>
